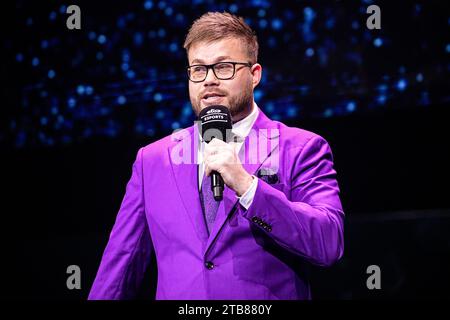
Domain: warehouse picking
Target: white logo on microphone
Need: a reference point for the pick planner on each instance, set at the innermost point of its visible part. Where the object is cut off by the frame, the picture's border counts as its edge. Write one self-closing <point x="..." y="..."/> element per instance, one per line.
<point x="212" y="111"/>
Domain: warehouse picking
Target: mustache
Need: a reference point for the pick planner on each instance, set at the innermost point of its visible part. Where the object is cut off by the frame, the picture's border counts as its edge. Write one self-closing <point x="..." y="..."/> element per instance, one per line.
<point x="220" y="92"/>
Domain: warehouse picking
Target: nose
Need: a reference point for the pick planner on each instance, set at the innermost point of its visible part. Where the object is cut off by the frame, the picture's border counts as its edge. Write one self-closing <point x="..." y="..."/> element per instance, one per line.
<point x="211" y="79"/>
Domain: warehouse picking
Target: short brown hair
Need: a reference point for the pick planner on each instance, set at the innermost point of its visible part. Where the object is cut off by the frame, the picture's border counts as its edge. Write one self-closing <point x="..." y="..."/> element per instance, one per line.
<point x="214" y="26"/>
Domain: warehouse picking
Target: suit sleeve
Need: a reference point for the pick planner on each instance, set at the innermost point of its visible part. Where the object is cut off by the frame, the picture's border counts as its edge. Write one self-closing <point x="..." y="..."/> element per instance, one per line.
<point x="129" y="247"/>
<point x="310" y="222"/>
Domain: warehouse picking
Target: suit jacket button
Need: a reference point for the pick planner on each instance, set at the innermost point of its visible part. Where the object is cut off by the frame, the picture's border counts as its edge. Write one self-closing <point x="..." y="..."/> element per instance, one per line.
<point x="209" y="265"/>
<point x="269" y="228"/>
<point x="255" y="219"/>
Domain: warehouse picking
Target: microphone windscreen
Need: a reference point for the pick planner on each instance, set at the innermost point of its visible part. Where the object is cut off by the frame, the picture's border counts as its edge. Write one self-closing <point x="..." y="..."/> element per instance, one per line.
<point x="215" y="121"/>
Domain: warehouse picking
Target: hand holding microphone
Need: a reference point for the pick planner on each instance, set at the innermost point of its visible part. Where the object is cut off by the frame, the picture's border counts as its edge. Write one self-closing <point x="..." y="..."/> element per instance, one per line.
<point x="221" y="160"/>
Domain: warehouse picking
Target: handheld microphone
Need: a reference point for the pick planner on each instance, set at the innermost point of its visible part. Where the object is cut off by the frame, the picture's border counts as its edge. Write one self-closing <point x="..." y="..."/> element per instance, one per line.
<point x="215" y="120"/>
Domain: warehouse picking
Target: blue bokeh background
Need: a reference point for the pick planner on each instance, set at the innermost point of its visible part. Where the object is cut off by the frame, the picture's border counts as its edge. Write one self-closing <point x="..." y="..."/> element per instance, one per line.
<point x="124" y="72"/>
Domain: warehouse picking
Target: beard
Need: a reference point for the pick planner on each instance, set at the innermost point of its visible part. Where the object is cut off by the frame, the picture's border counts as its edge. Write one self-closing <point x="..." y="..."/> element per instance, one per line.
<point x="239" y="105"/>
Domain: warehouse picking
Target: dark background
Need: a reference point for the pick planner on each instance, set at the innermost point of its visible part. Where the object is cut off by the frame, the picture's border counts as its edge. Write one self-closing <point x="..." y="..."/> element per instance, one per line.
<point x="77" y="105"/>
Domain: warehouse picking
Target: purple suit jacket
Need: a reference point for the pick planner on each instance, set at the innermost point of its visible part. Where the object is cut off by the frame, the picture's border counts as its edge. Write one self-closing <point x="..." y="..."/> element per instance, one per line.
<point x="260" y="253"/>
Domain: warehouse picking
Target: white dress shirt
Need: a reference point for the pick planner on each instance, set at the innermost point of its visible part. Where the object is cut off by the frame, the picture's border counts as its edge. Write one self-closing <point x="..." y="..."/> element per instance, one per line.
<point x="240" y="129"/>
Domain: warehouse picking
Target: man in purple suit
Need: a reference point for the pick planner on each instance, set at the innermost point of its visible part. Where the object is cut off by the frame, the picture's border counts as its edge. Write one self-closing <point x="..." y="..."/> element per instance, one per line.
<point x="280" y="211"/>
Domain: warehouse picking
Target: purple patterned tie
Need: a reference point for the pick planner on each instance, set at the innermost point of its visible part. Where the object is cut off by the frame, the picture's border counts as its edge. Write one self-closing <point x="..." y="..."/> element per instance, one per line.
<point x="209" y="205"/>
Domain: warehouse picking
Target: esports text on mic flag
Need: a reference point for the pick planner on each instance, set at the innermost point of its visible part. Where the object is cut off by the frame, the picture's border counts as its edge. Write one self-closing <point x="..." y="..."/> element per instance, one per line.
<point x="215" y="121"/>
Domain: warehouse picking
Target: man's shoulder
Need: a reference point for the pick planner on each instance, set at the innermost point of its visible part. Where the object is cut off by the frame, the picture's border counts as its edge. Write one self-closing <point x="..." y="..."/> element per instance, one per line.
<point x="295" y="137"/>
<point x="289" y="136"/>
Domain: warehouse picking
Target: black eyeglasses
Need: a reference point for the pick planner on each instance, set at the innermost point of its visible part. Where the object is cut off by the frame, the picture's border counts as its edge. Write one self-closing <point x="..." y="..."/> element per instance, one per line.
<point x="222" y="70"/>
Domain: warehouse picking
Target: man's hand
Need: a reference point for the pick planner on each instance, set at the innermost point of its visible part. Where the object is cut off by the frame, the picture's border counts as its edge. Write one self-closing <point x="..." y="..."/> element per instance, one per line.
<point x="222" y="157"/>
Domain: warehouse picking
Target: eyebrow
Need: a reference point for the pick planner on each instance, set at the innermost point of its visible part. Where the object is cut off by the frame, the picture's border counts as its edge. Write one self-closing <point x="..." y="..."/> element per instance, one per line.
<point x="200" y="61"/>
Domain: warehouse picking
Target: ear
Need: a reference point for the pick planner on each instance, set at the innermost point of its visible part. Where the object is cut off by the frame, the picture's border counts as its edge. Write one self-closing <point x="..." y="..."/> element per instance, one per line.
<point x="256" y="71"/>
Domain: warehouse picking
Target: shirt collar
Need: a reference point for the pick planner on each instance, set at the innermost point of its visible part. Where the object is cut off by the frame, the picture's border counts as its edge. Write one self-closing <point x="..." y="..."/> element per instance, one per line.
<point x="242" y="128"/>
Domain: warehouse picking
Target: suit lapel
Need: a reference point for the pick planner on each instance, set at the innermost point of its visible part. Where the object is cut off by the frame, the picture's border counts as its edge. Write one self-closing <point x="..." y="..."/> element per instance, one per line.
<point x="258" y="146"/>
<point x="186" y="179"/>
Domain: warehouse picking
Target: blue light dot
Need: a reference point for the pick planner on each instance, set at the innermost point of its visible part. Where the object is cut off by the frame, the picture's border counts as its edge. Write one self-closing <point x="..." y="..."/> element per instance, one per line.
<point x="382" y="87"/>
<point x="121" y="100"/>
<point x="187" y="110"/>
<point x="292" y="111"/>
<point x="62" y="9"/>
<point x="54" y="110"/>
<point x="161" y="33"/>
<point x="329" y="23"/>
<point x="258" y="94"/>
<point x="161" y="5"/>
<point x="355" y="25"/>
<point x="447" y="48"/>
<point x="351" y="106"/>
<point x="139" y="128"/>
<point x="19" y="57"/>
<point x="272" y="42"/>
<point x="44" y="44"/>
<point x="277" y="24"/>
<point x="401" y="84"/>
<point x="261" y="13"/>
<point x="89" y="90"/>
<point x="71" y="102"/>
<point x="148" y="5"/>
<point x="309" y="52"/>
<point x="381" y="99"/>
<point x="92" y="35"/>
<point x="424" y="98"/>
<point x="328" y="113"/>
<point x="378" y="42"/>
<point x="52" y="15"/>
<point x="168" y="11"/>
<point x="101" y="39"/>
<point x="309" y="14"/>
<point x="173" y="47"/>
<point x="124" y="66"/>
<point x="270" y="107"/>
<point x="159" y="114"/>
<point x="80" y="89"/>
<point x="99" y="56"/>
<point x="419" y="77"/>
<point x="138" y="38"/>
<point x="130" y="74"/>
<point x="175" y="125"/>
<point x="262" y="23"/>
<point x="51" y="74"/>
<point x="35" y="62"/>
<point x="179" y="17"/>
<point x="44" y="121"/>
<point x="125" y="56"/>
<point x="121" y="22"/>
<point x="157" y="97"/>
<point x="233" y="8"/>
